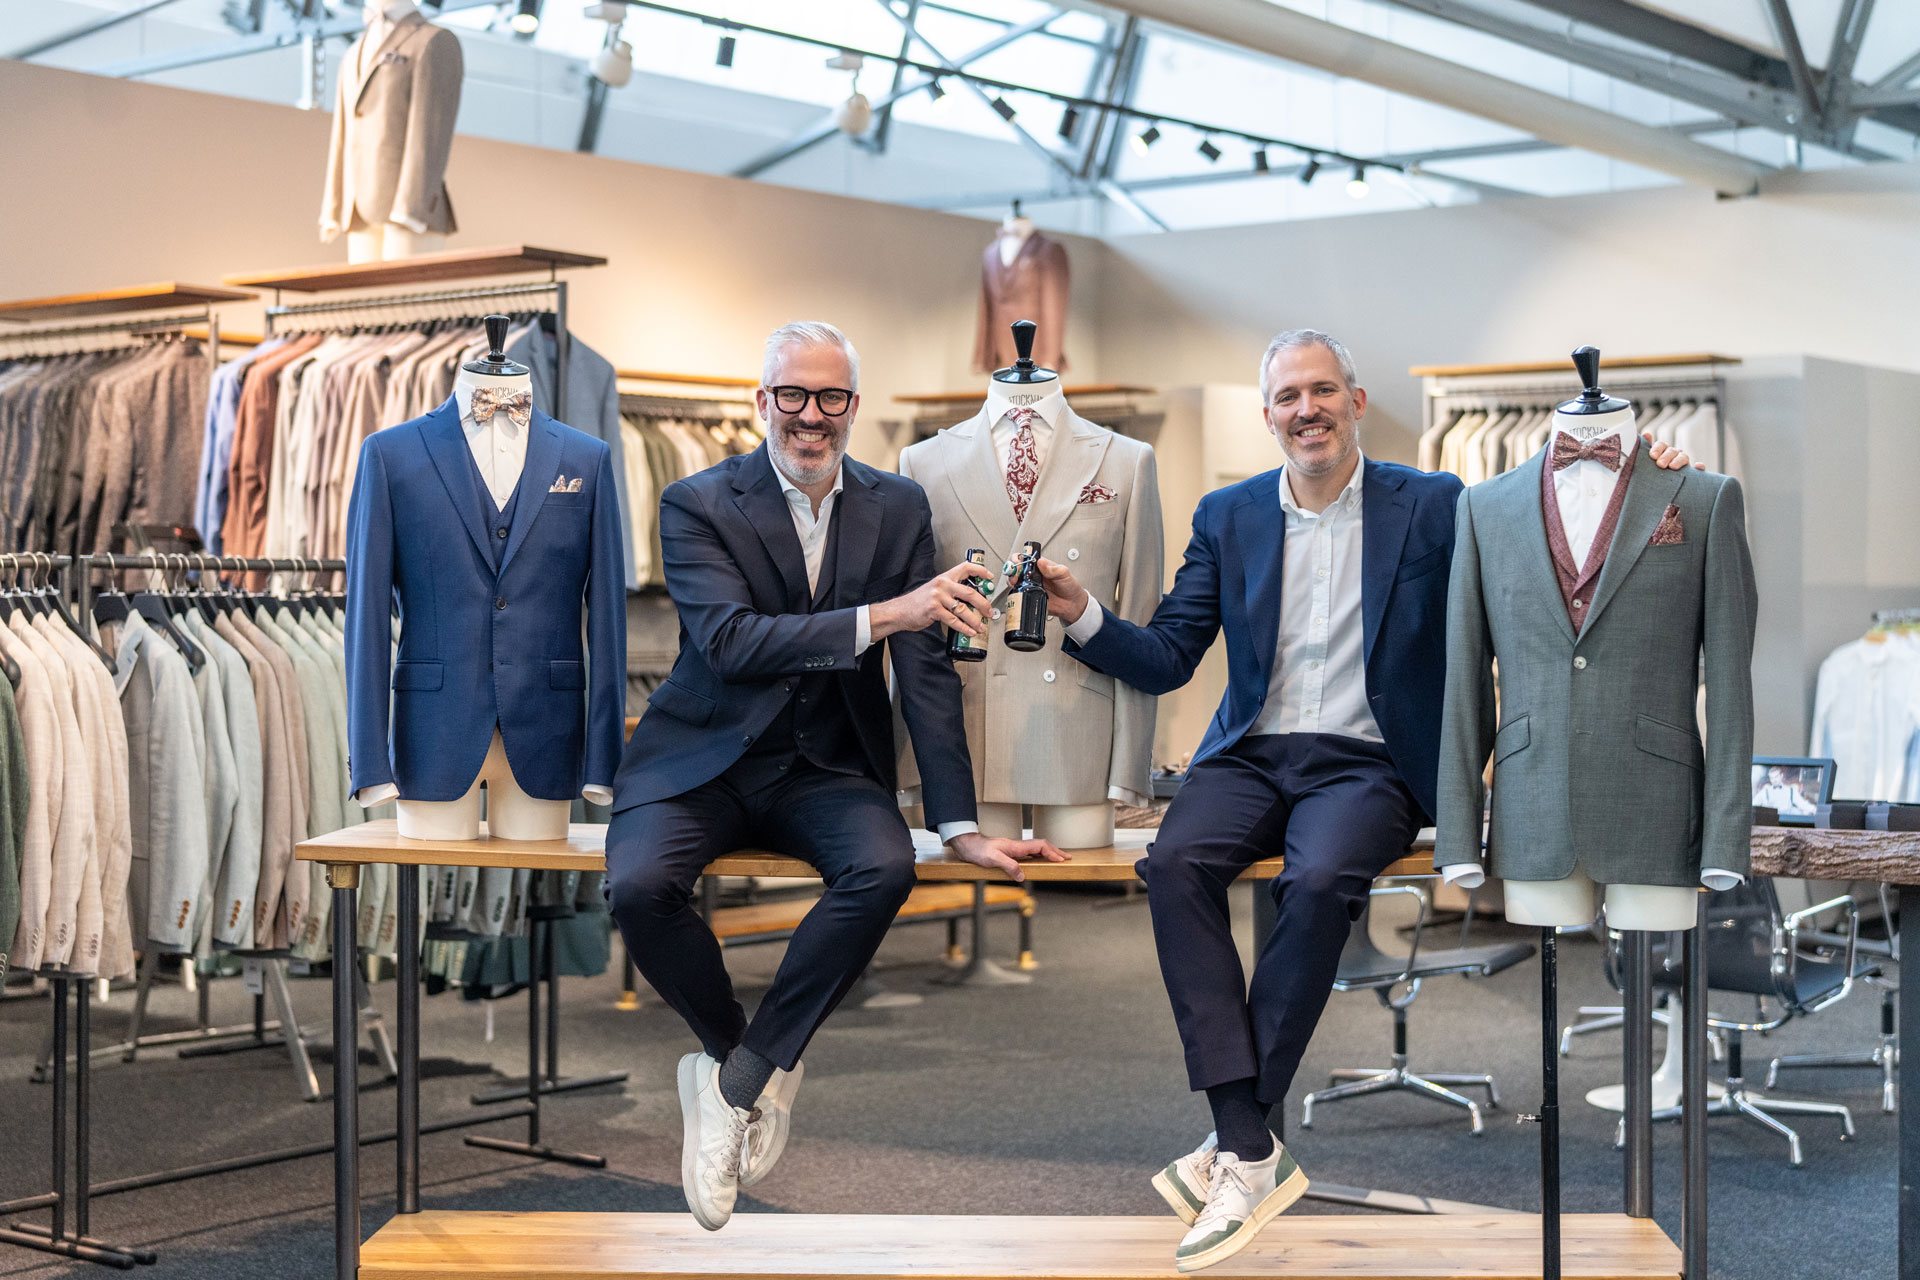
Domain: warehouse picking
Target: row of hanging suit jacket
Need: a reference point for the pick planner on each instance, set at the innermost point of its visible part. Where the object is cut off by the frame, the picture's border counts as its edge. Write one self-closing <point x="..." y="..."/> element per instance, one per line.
<point x="1477" y="444"/>
<point x="657" y="451"/>
<point x="1866" y="716"/>
<point x="95" y="439"/>
<point x="284" y="424"/>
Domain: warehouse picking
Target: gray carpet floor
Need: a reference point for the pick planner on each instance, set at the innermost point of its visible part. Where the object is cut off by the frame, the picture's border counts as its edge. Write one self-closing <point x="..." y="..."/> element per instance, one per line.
<point x="1058" y="1097"/>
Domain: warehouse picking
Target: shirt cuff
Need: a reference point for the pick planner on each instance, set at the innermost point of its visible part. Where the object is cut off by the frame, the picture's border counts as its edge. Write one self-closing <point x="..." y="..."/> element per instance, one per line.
<point x="862" y="631"/>
<point x="597" y="795"/>
<point x="1468" y="875"/>
<point x="1720" y="880"/>
<point x="950" y="830"/>
<point x="1088" y="624"/>
<point x="379" y="793"/>
<point x="414" y="225"/>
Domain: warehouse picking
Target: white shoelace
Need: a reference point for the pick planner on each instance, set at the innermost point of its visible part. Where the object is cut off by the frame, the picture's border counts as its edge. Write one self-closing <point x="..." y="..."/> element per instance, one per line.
<point x="727" y="1167"/>
<point x="1203" y="1163"/>
<point x="1227" y="1176"/>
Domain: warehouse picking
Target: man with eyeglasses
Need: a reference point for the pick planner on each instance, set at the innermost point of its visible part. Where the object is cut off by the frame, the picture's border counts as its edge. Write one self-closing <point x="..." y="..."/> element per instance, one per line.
<point x="789" y="567"/>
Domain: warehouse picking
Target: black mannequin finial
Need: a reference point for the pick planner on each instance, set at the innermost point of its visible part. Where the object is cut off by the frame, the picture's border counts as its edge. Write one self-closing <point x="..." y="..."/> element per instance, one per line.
<point x="495" y="362"/>
<point x="1586" y="361"/>
<point x="1024" y="369"/>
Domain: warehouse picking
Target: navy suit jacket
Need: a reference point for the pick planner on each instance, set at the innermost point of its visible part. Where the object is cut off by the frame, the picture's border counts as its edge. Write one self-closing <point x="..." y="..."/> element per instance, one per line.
<point x="1231" y="580"/>
<point x="480" y="646"/>
<point x="736" y="574"/>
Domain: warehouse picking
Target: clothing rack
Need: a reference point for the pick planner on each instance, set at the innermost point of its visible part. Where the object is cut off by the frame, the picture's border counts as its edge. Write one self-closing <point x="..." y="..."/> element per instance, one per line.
<point x="1896" y="617"/>
<point x="648" y="404"/>
<point x="1447" y="394"/>
<point x="297" y="313"/>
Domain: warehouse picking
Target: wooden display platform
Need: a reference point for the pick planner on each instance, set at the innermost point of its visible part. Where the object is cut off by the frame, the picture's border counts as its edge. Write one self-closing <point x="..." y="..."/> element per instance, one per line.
<point x="439" y="1245"/>
<point x="584" y="849"/>
<point x="165" y="296"/>
<point x="455" y="264"/>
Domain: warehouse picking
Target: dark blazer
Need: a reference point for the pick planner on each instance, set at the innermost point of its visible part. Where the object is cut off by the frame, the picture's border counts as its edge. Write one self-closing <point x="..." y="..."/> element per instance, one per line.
<point x="480" y="646"/>
<point x="735" y="571"/>
<point x="1231" y="580"/>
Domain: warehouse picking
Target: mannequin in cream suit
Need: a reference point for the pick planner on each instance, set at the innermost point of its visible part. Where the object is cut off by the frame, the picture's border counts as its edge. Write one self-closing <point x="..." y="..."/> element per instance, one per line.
<point x="1043" y="731"/>
<point x="392" y="130"/>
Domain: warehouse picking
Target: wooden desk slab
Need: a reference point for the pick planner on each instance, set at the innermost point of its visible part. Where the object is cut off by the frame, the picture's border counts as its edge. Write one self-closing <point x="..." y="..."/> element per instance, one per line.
<point x="584" y="849"/>
<point x="1890" y="857"/>
<point x="439" y="1245"/>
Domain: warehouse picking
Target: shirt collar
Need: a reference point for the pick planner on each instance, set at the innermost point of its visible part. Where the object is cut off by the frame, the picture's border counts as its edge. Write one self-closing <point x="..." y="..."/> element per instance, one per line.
<point x="795" y="493"/>
<point x="1349" y="499"/>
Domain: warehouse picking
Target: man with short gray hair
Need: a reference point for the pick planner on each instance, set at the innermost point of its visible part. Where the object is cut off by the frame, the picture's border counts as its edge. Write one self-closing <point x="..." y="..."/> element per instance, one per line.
<point x="798" y="574"/>
<point x="1329" y="577"/>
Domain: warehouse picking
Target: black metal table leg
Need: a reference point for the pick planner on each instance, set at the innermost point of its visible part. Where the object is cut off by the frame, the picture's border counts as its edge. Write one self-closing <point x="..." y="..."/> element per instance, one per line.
<point x="1550" y="1103"/>
<point x="345" y="881"/>
<point x="406" y="1147"/>
<point x="1693" y="1101"/>
<point x="981" y="970"/>
<point x="1909" y="1021"/>
<point x="551" y="1081"/>
<point x="1636" y="949"/>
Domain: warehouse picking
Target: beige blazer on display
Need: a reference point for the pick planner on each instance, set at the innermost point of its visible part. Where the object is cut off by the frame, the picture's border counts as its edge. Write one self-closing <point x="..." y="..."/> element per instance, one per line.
<point x="40" y="727"/>
<point x="74" y="917"/>
<point x="392" y="131"/>
<point x="1041" y="727"/>
<point x="277" y="803"/>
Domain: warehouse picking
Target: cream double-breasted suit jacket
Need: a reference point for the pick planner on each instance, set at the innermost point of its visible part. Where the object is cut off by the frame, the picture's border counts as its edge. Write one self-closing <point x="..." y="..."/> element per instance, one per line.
<point x="1042" y="729"/>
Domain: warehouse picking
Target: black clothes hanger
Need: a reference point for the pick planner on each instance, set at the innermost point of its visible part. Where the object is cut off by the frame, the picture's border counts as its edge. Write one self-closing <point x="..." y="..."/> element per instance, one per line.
<point x="56" y="606"/>
<point x="152" y="606"/>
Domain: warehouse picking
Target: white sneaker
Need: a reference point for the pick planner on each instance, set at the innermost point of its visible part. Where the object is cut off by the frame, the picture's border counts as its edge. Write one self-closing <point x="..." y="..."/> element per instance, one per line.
<point x="767" y="1136"/>
<point x="1244" y="1197"/>
<point x="715" y="1136"/>
<point x="1184" y="1183"/>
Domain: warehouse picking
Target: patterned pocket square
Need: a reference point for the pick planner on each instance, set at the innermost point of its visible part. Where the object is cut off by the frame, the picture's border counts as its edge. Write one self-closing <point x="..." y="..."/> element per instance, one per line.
<point x="1095" y="493"/>
<point x="573" y="485"/>
<point x="1671" y="532"/>
<point x="560" y="486"/>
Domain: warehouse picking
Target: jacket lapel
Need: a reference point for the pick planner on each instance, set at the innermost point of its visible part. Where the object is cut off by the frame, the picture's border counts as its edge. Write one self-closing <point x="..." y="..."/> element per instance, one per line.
<point x="763" y="502"/>
<point x="541" y="469"/>
<point x="1528" y="521"/>
<point x="981" y="488"/>
<point x="859" y="533"/>
<point x="1074" y="459"/>
<point x="1649" y="490"/>
<point x="396" y="33"/>
<point x="1260" y="535"/>
<point x="447" y="447"/>
<point x="1385" y="513"/>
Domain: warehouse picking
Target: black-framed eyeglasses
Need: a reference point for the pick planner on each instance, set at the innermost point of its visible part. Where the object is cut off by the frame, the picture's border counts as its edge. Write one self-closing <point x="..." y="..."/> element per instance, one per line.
<point x="833" y="401"/>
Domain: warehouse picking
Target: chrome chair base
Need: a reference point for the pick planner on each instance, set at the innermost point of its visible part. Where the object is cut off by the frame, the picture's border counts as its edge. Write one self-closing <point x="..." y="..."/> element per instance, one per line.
<point x="1397" y="1078"/>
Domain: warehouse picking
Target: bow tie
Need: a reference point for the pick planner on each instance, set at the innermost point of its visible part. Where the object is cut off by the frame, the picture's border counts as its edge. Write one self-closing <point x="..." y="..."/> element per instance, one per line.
<point x="1567" y="451"/>
<point x="488" y="401"/>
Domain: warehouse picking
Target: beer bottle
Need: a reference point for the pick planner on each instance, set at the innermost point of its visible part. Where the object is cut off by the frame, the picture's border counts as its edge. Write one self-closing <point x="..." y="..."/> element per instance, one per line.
<point x="962" y="647"/>
<point x="1027" y="606"/>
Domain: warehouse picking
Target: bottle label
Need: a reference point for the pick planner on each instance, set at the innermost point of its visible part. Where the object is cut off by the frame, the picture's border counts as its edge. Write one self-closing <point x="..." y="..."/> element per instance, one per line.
<point x="961" y="640"/>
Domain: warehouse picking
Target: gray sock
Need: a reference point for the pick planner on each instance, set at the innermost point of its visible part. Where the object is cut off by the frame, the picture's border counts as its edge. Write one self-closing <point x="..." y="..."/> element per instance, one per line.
<point x="743" y="1077"/>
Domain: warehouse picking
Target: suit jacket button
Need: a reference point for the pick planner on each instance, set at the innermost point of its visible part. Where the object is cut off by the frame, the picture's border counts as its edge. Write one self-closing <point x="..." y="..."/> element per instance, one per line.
<point x="1048" y="677"/>
<point x="747" y="741"/>
<point x="500" y="602"/>
<point x="1579" y="664"/>
<point x="502" y="531"/>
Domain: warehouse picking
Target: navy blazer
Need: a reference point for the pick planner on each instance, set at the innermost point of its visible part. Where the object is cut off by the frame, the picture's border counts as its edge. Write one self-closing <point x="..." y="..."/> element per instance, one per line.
<point x="481" y="647"/>
<point x="736" y="574"/>
<point x="1231" y="579"/>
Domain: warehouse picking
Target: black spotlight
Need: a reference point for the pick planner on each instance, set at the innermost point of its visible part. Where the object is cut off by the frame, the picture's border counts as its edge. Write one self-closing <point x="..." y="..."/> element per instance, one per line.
<point x="934" y="91"/>
<point x="725" y="57"/>
<point x="1069" y="121"/>
<point x="1146" y="138"/>
<point x="1207" y="149"/>
<point x="1260" y="161"/>
<point x="1309" y="171"/>
<point x="1005" y="109"/>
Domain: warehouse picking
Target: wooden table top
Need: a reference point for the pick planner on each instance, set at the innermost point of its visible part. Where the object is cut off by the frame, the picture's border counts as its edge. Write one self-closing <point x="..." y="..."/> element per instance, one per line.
<point x="584" y="849"/>
<point x="801" y="1246"/>
<point x="1890" y="857"/>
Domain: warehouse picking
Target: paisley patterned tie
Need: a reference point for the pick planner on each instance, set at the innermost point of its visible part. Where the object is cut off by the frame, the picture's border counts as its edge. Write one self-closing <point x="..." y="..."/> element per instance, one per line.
<point x="1023" y="463"/>
<point x="488" y="401"/>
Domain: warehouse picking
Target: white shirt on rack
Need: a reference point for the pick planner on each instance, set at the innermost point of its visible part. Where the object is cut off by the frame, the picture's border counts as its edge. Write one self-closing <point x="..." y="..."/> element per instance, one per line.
<point x="1866" y="717"/>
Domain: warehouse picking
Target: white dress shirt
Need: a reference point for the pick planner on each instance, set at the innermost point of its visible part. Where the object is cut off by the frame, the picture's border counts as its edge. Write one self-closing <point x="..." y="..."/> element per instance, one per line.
<point x="499" y="446"/>
<point x="1319" y="680"/>
<point x="813" y="530"/>
<point x="1583" y="491"/>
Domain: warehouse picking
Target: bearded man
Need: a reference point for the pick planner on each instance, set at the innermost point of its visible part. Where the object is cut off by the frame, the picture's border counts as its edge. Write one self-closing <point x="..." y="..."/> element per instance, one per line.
<point x="797" y="573"/>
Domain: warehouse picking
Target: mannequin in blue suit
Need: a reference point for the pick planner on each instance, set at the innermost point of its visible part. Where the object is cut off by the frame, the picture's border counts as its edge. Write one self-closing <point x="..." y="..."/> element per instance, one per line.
<point x="492" y="595"/>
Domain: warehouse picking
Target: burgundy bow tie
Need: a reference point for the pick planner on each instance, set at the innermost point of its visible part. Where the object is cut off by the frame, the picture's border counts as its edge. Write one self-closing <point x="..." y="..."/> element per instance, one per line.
<point x="1567" y="451"/>
<point x="488" y="401"/>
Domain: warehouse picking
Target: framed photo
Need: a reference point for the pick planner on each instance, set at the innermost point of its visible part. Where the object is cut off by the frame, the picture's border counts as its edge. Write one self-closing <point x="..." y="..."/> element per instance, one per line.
<point x="1793" y="785"/>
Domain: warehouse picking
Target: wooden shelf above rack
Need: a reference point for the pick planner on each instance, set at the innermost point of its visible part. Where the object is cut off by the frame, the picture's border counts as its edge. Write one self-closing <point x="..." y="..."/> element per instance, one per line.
<point x="1087" y="389"/>
<point x="457" y="264"/>
<point x="685" y="379"/>
<point x="1565" y="366"/>
<point x="164" y="296"/>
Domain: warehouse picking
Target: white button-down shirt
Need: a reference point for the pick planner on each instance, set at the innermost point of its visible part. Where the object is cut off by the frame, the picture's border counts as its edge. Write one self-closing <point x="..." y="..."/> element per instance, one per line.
<point x="1584" y="490"/>
<point x="499" y="446"/>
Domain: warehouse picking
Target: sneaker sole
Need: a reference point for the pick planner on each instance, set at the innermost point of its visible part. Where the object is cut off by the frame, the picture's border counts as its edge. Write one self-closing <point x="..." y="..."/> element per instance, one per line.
<point x="765" y="1165"/>
<point x="690" y="1138"/>
<point x="1177" y="1202"/>
<point x="1278" y="1201"/>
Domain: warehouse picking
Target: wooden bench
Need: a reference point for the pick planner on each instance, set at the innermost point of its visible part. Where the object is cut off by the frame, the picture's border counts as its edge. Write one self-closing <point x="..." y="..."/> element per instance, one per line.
<point x="927" y="904"/>
<point x="439" y="1245"/>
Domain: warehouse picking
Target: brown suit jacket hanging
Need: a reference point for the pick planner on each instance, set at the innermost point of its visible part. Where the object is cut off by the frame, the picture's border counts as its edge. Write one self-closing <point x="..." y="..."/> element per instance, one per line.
<point x="1033" y="287"/>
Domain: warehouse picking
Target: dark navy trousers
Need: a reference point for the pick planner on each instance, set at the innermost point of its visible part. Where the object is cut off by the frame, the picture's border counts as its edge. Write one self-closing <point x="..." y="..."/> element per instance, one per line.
<point x="1336" y="808"/>
<point x="848" y="828"/>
